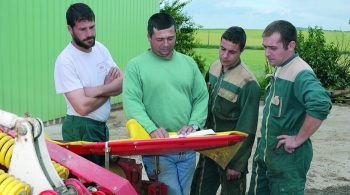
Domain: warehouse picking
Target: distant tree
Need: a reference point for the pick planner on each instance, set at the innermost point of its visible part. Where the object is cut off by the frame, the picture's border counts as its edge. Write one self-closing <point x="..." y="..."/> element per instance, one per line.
<point x="186" y="29"/>
<point x="325" y="59"/>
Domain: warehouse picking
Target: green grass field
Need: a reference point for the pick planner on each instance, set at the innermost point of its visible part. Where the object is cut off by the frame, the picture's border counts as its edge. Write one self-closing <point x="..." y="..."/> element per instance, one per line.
<point x="212" y="37"/>
<point x="255" y="59"/>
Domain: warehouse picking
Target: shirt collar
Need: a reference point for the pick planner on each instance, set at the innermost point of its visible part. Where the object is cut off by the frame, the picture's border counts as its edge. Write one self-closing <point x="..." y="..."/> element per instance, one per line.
<point x="289" y="59"/>
<point x="232" y="67"/>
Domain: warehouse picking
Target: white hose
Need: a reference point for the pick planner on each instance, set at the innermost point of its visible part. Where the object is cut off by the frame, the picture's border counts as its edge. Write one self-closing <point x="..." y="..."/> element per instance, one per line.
<point x="8" y="120"/>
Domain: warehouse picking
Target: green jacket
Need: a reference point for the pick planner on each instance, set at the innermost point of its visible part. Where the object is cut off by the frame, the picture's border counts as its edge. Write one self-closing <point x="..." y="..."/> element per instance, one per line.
<point x="293" y="92"/>
<point x="234" y="105"/>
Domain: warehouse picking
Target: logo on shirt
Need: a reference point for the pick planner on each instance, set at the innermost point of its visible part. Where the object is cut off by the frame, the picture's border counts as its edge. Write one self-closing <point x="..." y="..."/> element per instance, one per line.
<point x="102" y="67"/>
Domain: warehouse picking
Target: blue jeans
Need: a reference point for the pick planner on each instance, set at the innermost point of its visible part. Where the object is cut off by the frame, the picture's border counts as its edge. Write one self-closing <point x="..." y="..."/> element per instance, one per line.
<point x="176" y="171"/>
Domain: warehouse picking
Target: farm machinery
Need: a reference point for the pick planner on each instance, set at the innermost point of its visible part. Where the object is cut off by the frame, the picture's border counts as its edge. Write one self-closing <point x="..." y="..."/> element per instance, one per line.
<point x="31" y="163"/>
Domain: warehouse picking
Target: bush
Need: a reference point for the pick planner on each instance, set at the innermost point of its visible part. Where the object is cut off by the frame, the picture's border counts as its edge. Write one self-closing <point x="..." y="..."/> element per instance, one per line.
<point x="264" y="81"/>
<point x="324" y="59"/>
<point x="185" y="32"/>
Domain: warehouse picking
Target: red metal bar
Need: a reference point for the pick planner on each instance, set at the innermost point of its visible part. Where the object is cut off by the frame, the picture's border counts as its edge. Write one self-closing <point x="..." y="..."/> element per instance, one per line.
<point x="90" y="172"/>
<point x="156" y="146"/>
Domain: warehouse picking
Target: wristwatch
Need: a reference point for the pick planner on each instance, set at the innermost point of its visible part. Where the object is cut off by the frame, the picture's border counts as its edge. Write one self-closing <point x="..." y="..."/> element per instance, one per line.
<point x="195" y="127"/>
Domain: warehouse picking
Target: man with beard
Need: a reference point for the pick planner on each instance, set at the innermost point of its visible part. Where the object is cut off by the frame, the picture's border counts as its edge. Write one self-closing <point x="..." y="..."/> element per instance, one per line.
<point x="87" y="76"/>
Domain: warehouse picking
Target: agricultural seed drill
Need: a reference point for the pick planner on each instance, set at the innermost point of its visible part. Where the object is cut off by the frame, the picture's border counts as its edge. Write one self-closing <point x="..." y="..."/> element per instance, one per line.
<point x="31" y="164"/>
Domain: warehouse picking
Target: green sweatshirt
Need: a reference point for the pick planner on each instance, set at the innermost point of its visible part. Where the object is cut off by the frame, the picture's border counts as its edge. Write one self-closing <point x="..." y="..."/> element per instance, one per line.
<point x="164" y="93"/>
<point x="234" y="105"/>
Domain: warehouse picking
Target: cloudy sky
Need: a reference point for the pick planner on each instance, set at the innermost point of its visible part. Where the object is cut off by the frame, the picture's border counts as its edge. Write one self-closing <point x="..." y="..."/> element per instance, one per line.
<point x="257" y="14"/>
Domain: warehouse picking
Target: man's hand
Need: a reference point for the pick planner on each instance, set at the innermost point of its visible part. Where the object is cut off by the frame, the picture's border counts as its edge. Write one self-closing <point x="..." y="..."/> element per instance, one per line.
<point x="111" y="86"/>
<point x="113" y="73"/>
<point x="232" y="174"/>
<point x="289" y="142"/>
<point x="159" y="133"/>
<point x="185" y="130"/>
<point x="309" y="127"/>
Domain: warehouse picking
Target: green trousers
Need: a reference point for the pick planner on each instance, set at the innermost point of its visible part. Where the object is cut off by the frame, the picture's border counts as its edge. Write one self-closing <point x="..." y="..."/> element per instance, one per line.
<point x="276" y="172"/>
<point x="208" y="176"/>
<point x="77" y="128"/>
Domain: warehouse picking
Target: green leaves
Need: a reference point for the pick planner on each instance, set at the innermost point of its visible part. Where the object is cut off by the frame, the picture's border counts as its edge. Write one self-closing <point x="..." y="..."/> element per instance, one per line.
<point x="186" y="30"/>
<point x="325" y="59"/>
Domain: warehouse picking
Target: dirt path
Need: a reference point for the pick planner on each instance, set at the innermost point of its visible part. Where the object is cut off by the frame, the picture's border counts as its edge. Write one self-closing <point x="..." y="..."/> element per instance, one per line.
<point x="330" y="168"/>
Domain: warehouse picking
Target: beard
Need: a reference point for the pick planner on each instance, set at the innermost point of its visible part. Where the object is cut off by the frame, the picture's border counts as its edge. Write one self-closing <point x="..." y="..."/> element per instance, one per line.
<point x="83" y="43"/>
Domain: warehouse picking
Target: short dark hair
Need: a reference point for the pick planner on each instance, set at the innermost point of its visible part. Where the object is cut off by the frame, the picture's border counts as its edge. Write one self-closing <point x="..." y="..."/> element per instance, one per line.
<point x="78" y="12"/>
<point x="160" y="21"/>
<point x="286" y="29"/>
<point x="236" y="35"/>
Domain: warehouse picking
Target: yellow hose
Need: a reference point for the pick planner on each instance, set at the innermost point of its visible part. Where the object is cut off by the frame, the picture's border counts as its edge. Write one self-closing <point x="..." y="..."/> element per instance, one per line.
<point x="62" y="171"/>
<point x="6" y="150"/>
<point x="6" y="142"/>
<point x="8" y="184"/>
<point x="2" y="134"/>
<point x="12" y="186"/>
<point x="8" y="157"/>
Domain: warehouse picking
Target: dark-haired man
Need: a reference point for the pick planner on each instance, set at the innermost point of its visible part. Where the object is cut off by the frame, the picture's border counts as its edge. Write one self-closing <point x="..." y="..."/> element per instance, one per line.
<point x="165" y="91"/>
<point x="233" y="105"/>
<point x="87" y="76"/>
<point x="295" y="106"/>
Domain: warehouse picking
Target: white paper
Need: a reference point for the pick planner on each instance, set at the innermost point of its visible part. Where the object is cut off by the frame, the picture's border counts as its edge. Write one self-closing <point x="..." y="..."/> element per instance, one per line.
<point x="197" y="133"/>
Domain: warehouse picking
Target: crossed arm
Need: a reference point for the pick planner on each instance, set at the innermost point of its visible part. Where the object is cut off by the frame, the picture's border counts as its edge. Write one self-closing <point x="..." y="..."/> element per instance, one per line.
<point x="88" y="99"/>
